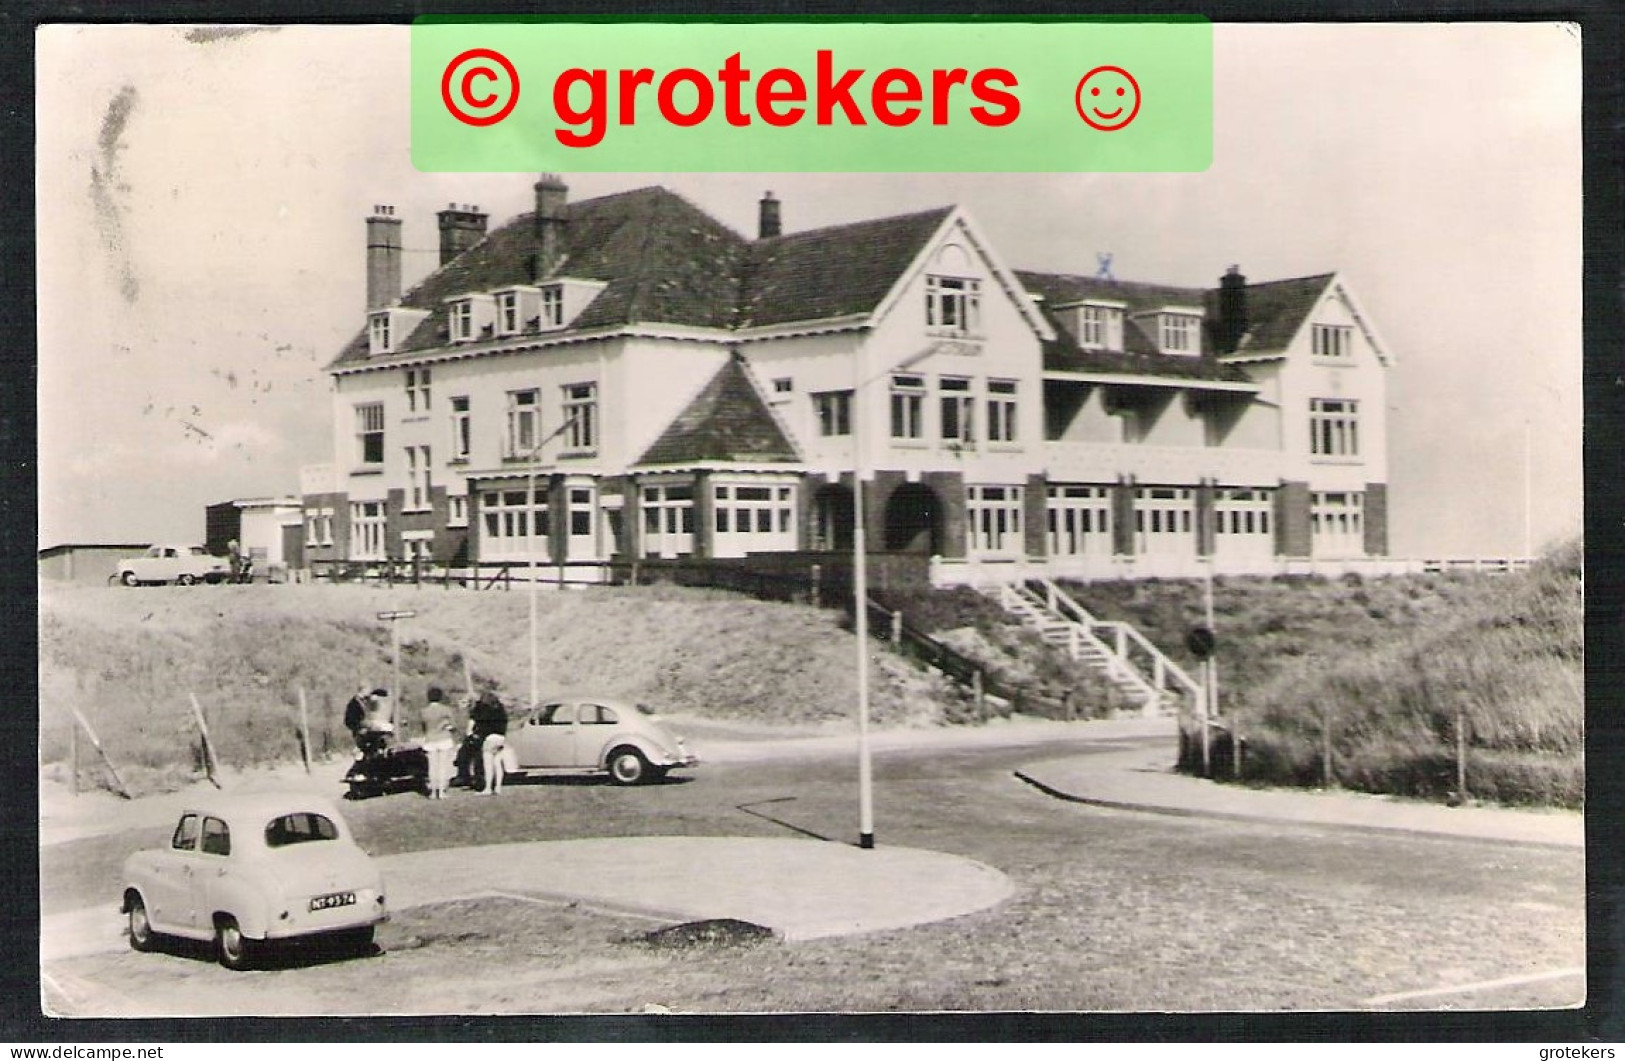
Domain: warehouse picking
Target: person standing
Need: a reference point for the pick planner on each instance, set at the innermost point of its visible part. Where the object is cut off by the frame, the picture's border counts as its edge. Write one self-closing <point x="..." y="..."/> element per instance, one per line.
<point x="437" y="741"/>
<point x="486" y="718"/>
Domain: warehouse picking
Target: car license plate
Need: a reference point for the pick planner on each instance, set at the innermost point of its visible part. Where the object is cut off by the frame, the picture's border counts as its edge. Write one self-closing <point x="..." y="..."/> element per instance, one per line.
<point x="328" y="902"/>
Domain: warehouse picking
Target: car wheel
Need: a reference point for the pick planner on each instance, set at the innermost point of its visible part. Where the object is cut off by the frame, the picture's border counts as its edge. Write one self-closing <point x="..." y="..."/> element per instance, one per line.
<point x="627" y="766"/>
<point x="187" y="579"/>
<point x="141" y="935"/>
<point x="235" y="950"/>
<point x="129" y="579"/>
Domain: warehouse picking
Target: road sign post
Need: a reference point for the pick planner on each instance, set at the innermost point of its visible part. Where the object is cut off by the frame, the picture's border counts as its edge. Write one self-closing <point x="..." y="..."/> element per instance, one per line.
<point x="393" y="618"/>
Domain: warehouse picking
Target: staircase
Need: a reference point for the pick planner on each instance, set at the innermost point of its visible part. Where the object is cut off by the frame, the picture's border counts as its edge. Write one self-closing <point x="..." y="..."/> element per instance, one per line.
<point x="1116" y="650"/>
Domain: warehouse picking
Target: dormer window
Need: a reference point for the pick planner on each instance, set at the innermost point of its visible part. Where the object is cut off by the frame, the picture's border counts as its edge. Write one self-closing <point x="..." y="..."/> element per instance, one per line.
<point x="507" y="312"/>
<point x="953" y="305"/>
<point x="378" y="334"/>
<point x="1100" y="326"/>
<point x="1179" y="333"/>
<point x="461" y="319"/>
<point x="552" y="315"/>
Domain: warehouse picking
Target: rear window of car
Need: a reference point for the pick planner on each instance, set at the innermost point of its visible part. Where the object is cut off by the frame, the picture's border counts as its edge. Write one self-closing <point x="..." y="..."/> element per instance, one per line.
<point x="302" y="828"/>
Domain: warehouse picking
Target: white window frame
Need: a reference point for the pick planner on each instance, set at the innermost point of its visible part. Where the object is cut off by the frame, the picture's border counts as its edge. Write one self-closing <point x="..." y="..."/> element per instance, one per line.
<point x="507" y="305"/>
<point x="667" y="518"/>
<point x="994" y="516"/>
<point x="462" y="427"/>
<point x="908" y="394"/>
<point x="456" y="510"/>
<point x="417" y="390"/>
<point x="1334" y="428"/>
<point x="1164" y="521"/>
<point x="460" y="320"/>
<point x="369" y="424"/>
<point x="319" y="527"/>
<point x="833" y="412"/>
<point x="1080" y="520"/>
<point x="1334" y="342"/>
<point x="379" y="327"/>
<point x="419" y="478"/>
<point x="953" y="305"/>
<point x="1180" y="333"/>
<point x="524" y="423"/>
<point x="1002" y="398"/>
<point x="418" y="545"/>
<point x="753" y="517"/>
<point x="580" y="403"/>
<point x="551" y="313"/>
<point x="957" y="409"/>
<point x="510" y="527"/>
<point x="369" y="530"/>
<point x="1337" y="523"/>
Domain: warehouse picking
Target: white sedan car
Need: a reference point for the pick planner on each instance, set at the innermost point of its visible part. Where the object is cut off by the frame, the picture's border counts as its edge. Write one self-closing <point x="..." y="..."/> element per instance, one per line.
<point x="184" y="565"/>
<point x="247" y="870"/>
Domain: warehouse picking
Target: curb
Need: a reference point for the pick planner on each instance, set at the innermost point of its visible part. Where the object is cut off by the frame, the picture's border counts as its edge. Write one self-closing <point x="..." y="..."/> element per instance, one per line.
<point x="1359" y="827"/>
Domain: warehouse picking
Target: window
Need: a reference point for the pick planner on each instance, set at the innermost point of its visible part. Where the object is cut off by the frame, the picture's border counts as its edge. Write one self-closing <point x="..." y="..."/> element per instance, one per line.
<point x="1331" y="340"/>
<point x="1337" y="523"/>
<point x="524" y="423"/>
<point x="953" y="305"/>
<point x="456" y="511"/>
<point x="834" y="410"/>
<point x="417" y="390"/>
<point x="552" y="307"/>
<point x="668" y="520"/>
<point x="512" y="526"/>
<point x="1334" y="427"/>
<point x="1079" y="520"/>
<point x="958" y="411"/>
<point x="460" y="319"/>
<point x="1179" y="333"/>
<point x="369" y="433"/>
<point x="1001" y="410"/>
<point x="581" y="417"/>
<point x="907" y="407"/>
<point x="784" y="385"/>
<point x="508" y="313"/>
<point x="299" y="829"/>
<point x="216" y="837"/>
<point x="378" y="333"/>
<point x="1164" y="521"/>
<point x="319" y="527"/>
<point x="462" y="429"/>
<point x="753" y="519"/>
<point x="367" y="522"/>
<point x="185" y="838"/>
<point x="994" y="517"/>
<point x="417" y="478"/>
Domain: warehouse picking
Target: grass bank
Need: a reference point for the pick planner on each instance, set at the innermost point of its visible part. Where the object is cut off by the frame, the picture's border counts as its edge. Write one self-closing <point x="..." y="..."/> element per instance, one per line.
<point x="130" y="659"/>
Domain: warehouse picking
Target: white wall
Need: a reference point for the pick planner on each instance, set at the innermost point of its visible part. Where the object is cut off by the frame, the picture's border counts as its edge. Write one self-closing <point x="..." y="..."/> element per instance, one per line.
<point x="1360" y="377"/>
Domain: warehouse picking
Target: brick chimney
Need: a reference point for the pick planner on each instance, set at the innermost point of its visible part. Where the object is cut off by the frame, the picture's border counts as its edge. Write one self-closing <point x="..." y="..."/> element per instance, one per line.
<point x="551" y="196"/>
<point x="383" y="258"/>
<point x="1232" y="323"/>
<point x="768" y="224"/>
<point x="461" y="226"/>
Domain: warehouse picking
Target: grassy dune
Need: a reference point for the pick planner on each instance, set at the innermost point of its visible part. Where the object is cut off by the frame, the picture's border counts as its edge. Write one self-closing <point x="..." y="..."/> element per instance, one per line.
<point x="129" y="658"/>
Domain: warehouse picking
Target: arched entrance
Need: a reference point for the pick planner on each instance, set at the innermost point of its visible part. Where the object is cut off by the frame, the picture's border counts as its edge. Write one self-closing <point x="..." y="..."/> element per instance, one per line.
<point x="914" y="520"/>
<point x="831" y="529"/>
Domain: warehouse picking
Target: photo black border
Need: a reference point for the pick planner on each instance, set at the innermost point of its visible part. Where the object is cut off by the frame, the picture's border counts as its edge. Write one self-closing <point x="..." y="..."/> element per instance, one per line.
<point x="1601" y="1019"/>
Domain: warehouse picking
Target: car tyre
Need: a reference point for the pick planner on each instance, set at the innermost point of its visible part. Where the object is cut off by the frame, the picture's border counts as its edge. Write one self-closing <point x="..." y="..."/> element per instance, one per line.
<point x="142" y="938"/>
<point x="235" y="950"/>
<point x="187" y="579"/>
<point x="627" y="766"/>
<point x="130" y="580"/>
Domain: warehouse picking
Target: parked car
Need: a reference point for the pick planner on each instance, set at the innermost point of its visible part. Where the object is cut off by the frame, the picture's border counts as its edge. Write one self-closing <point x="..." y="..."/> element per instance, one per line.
<point x="247" y="870"/>
<point x="184" y="565"/>
<point x="585" y="734"/>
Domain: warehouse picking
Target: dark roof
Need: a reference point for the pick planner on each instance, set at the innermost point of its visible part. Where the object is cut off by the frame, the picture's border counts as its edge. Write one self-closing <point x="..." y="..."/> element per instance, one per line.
<point x="1276" y="309"/>
<point x="1140" y="355"/>
<point x="663" y="259"/>
<point x="726" y="421"/>
<point x="832" y="272"/>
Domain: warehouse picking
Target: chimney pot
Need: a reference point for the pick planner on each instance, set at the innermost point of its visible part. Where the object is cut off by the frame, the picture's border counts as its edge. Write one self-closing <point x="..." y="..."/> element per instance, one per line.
<point x="460" y="228"/>
<point x="768" y="220"/>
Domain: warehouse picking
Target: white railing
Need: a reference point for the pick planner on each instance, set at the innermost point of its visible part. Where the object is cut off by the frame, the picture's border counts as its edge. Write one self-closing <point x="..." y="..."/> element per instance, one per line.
<point x="1124" y="635"/>
<point x="946" y="573"/>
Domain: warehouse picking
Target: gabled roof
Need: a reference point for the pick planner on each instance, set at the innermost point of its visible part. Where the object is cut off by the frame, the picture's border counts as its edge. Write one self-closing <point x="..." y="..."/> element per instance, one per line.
<point x="727" y="421"/>
<point x="838" y="271"/>
<point x="1276" y="310"/>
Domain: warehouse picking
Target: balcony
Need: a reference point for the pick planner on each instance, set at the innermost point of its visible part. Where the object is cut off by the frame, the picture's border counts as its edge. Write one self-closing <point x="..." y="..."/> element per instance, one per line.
<point x="1105" y="461"/>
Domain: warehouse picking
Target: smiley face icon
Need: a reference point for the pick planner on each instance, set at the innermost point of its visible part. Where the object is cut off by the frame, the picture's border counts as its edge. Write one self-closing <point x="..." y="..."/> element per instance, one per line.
<point x="1108" y="98"/>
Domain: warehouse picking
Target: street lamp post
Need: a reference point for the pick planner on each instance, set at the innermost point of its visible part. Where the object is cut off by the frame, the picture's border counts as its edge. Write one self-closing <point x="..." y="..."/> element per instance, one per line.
<point x="531" y="524"/>
<point x="860" y="594"/>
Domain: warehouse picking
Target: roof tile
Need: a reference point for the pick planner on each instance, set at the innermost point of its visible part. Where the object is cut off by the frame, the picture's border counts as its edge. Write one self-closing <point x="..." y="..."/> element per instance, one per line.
<point x="726" y="421"/>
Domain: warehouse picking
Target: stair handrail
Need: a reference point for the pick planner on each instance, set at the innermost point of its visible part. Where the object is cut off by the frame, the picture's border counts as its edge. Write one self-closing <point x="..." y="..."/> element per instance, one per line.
<point x="1163" y="664"/>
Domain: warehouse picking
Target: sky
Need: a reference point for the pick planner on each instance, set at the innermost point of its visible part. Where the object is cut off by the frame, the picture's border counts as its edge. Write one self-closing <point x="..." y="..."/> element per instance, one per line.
<point x="201" y="198"/>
